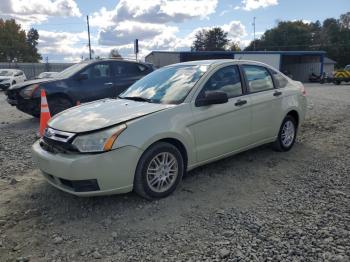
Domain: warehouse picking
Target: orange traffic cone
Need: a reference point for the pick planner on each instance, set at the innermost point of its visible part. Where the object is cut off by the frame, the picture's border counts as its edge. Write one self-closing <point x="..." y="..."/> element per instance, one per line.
<point x="44" y="113"/>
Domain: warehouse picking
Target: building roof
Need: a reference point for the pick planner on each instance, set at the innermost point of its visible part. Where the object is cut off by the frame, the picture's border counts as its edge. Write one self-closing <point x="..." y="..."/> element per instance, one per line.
<point x="328" y="61"/>
<point x="244" y="52"/>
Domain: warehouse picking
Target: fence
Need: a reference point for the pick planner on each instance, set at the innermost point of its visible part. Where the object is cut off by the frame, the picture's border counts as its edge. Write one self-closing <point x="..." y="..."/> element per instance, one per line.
<point x="32" y="70"/>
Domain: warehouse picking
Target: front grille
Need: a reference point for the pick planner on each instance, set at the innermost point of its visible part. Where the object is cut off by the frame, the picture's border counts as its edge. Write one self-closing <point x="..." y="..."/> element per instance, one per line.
<point x="57" y="135"/>
<point x="56" y="147"/>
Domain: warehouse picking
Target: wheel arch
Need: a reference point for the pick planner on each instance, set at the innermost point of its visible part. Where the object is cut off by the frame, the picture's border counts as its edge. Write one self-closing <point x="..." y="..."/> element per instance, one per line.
<point x="61" y="95"/>
<point x="293" y="113"/>
<point x="177" y="143"/>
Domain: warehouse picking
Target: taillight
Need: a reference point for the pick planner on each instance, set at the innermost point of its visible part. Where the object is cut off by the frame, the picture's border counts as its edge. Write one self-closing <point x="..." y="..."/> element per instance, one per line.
<point x="303" y="90"/>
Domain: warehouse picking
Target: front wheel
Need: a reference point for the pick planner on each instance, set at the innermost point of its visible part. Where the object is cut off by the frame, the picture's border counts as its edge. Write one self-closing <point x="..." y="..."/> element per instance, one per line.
<point x="287" y="135"/>
<point x="159" y="171"/>
<point x="58" y="104"/>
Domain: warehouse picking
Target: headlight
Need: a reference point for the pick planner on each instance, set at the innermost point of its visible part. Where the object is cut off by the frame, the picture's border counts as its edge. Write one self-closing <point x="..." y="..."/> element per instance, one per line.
<point x="98" y="141"/>
<point x="29" y="90"/>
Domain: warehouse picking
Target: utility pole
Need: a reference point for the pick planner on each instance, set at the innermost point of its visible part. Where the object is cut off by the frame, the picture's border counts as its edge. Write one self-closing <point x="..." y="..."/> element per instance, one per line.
<point x="136" y="47"/>
<point x="254" y="31"/>
<point x="88" y="27"/>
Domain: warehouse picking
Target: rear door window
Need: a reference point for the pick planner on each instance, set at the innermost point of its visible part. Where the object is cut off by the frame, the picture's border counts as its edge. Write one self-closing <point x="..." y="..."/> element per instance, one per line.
<point x="258" y="78"/>
<point x="98" y="71"/>
<point x="128" y="69"/>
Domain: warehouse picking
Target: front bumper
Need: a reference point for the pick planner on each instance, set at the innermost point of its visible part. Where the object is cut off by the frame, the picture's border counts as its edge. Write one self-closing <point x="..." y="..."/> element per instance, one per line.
<point x="4" y="86"/>
<point x="108" y="173"/>
<point x="29" y="106"/>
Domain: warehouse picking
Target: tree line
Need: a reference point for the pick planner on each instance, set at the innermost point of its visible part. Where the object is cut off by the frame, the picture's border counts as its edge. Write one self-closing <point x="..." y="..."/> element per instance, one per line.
<point x="332" y="36"/>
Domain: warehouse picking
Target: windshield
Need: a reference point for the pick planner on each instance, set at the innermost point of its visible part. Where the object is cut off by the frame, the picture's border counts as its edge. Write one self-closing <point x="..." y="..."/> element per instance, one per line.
<point x="70" y="71"/>
<point x="168" y="85"/>
<point x="6" y="73"/>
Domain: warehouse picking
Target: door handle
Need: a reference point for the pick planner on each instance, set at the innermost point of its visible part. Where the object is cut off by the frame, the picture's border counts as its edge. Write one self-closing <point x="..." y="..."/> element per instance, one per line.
<point x="277" y="93"/>
<point x="240" y="102"/>
<point x="109" y="84"/>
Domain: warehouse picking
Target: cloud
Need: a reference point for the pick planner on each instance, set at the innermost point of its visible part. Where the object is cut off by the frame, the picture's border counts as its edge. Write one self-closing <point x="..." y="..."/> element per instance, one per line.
<point x="154" y="11"/>
<point x="147" y="20"/>
<point x="126" y="31"/>
<point x="28" y="12"/>
<point x="249" y="5"/>
<point x="235" y="29"/>
<point x="63" y="44"/>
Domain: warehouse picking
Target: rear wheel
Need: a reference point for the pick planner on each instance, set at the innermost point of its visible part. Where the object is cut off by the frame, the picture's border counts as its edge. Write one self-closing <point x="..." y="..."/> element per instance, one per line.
<point x="287" y="135"/>
<point x="337" y="82"/>
<point x="159" y="171"/>
<point x="58" y="104"/>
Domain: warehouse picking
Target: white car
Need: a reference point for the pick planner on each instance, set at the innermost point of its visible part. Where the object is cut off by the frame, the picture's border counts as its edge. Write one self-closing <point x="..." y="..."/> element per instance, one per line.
<point x="47" y="75"/>
<point x="173" y="120"/>
<point x="10" y="77"/>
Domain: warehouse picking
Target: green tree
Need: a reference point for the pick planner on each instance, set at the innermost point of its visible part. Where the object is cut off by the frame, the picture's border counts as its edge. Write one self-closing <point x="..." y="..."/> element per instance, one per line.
<point x="199" y="41"/>
<point x="32" y="42"/>
<point x="214" y="39"/>
<point x="15" y="44"/>
<point x="286" y="36"/>
<point x="233" y="46"/>
<point x="114" y="53"/>
<point x="345" y="20"/>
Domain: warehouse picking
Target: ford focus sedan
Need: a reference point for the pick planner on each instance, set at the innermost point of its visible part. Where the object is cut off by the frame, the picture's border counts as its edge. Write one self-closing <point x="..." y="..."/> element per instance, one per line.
<point x="173" y="120"/>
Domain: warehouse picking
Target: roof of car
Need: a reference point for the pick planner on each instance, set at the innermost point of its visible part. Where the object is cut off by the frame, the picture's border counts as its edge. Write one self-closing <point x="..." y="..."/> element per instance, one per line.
<point x="215" y="62"/>
<point x="10" y="69"/>
<point x="114" y="59"/>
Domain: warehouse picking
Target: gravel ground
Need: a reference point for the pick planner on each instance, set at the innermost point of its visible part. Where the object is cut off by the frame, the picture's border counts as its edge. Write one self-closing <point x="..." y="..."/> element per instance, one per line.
<point x="256" y="206"/>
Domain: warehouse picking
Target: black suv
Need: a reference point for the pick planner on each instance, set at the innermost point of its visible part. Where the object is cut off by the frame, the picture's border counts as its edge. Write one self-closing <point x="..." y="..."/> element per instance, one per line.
<point x="82" y="82"/>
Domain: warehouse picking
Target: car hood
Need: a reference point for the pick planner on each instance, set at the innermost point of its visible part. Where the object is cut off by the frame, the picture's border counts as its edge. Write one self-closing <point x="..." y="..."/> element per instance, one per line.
<point x="102" y="113"/>
<point x="30" y="82"/>
<point x="6" y="77"/>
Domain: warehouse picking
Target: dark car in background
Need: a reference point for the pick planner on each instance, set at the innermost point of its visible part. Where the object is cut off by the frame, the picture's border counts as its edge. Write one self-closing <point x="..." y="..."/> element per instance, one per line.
<point x="83" y="82"/>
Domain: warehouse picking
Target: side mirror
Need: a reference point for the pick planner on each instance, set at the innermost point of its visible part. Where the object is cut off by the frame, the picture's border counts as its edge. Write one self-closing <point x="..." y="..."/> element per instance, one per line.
<point x="212" y="98"/>
<point x="80" y="77"/>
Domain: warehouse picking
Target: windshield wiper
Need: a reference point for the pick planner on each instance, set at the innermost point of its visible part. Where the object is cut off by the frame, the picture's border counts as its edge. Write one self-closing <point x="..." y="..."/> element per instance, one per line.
<point x="136" y="98"/>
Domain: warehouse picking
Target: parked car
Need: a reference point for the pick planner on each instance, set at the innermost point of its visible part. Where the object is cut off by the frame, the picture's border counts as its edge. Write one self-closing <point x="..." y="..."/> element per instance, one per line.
<point x="84" y="82"/>
<point x="10" y="77"/>
<point x="46" y="75"/>
<point x="175" y="119"/>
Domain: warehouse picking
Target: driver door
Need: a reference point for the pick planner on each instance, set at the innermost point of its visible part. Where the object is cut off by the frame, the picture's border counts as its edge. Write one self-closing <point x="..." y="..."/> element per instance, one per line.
<point x="98" y="84"/>
<point x="222" y="128"/>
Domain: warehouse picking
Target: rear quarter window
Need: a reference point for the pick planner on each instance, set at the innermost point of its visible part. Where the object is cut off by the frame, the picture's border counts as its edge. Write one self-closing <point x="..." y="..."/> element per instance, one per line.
<point x="280" y="80"/>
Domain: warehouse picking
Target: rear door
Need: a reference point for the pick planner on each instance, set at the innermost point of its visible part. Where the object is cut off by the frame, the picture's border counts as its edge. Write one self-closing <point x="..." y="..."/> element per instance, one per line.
<point x="98" y="84"/>
<point x="265" y="102"/>
<point x="127" y="73"/>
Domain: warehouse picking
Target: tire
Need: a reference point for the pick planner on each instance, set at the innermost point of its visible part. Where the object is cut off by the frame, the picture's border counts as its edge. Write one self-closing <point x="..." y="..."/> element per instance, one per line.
<point x="150" y="173"/>
<point x="58" y="104"/>
<point x="337" y="82"/>
<point x="283" y="144"/>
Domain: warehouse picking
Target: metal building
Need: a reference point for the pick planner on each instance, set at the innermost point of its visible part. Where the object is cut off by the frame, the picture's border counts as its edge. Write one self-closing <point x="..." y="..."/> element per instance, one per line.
<point x="328" y="67"/>
<point x="298" y="64"/>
